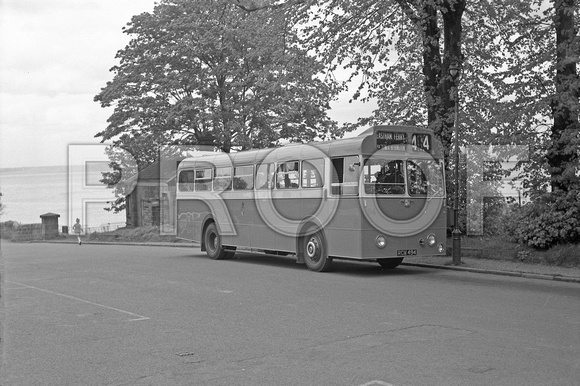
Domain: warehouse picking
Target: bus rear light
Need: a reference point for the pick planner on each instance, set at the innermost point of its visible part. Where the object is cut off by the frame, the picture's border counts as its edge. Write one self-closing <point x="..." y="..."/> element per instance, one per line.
<point x="440" y="248"/>
<point x="431" y="240"/>
<point x="381" y="241"/>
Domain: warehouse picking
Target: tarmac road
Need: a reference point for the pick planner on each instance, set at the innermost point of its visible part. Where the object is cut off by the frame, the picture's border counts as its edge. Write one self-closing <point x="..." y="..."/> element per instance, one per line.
<point x="132" y="315"/>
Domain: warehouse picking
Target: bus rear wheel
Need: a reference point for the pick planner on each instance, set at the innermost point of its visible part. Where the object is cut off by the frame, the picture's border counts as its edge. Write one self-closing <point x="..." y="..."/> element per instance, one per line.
<point x="316" y="252"/>
<point x="213" y="244"/>
<point x="390" y="263"/>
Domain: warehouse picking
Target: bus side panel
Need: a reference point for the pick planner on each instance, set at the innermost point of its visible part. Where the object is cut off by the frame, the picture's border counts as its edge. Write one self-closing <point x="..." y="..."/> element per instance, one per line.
<point x="295" y="210"/>
<point x="279" y="230"/>
<point x="190" y="215"/>
<point x="343" y="231"/>
<point x="263" y="236"/>
<point x="241" y="208"/>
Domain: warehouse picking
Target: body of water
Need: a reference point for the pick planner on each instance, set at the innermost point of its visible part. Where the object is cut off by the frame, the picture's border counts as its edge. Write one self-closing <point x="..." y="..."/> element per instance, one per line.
<point x="28" y="193"/>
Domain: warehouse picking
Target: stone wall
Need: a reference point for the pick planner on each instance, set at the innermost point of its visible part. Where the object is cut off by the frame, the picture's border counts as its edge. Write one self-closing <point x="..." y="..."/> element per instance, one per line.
<point x="28" y="232"/>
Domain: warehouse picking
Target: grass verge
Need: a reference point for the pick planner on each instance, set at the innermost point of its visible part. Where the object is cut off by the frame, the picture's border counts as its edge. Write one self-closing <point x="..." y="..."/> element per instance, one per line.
<point x="141" y="234"/>
<point x="500" y="248"/>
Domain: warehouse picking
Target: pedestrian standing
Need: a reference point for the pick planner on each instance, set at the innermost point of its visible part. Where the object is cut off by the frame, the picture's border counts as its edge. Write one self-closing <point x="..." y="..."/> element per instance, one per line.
<point x="77" y="228"/>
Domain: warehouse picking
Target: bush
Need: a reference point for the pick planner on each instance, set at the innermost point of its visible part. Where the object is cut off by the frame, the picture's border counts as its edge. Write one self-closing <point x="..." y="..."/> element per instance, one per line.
<point x="7" y="229"/>
<point x="553" y="218"/>
<point x="494" y="209"/>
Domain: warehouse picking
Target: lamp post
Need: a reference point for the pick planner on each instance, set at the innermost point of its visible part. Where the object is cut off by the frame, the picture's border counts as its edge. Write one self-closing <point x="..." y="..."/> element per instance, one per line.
<point x="455" y="72"/>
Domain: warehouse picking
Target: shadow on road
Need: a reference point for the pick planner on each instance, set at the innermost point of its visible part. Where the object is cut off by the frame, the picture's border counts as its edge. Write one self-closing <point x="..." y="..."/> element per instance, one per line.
<point x="339" y="266"/>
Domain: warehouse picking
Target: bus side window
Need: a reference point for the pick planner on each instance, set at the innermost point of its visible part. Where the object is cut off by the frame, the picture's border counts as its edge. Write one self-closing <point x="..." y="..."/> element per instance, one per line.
<point x="222" y="179"/>
<point x="287" y="175"/>
<point x="185" y="183"/>
<point x="202" y="180"/>
<point x="243" y="177"/>
<point x="312" y="173"/>
<point x="265" y="176"/>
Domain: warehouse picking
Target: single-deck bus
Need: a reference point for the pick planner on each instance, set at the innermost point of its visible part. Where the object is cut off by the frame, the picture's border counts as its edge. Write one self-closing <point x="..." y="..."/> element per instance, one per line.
<point x="376" y="197"/>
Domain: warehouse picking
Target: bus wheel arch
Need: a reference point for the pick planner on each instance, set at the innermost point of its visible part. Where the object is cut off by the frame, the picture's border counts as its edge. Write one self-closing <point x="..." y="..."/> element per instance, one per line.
<point x="312" y="247"/>
<point x="213" y="243"/>
<point x="208" y="220"/>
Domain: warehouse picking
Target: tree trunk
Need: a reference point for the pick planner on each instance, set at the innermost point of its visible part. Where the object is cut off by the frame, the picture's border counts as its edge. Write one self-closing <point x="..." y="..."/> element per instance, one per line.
<point x="439" y="85"/>
<point x="226" y="141"/>
<point x="562" y="152"/>
<point x="431" y="64"/>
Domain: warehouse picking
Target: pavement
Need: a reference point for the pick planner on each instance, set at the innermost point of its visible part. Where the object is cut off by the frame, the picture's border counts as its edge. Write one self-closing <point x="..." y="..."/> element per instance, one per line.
<point x="499" y="267"/>
<point x="468" y="264"/>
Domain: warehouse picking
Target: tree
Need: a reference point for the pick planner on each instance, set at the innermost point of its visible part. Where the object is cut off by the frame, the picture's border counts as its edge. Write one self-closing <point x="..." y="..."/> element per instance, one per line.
<point x="401" y="50"/>
<point x="532" y="59"/>
<point x="563" y="152"/>
<point x="203" y="68"/>
<point x="213" y="69"/>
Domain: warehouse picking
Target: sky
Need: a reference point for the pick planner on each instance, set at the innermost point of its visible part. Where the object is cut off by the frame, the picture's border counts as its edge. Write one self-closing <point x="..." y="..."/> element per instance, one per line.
<point x="55" y="57"/>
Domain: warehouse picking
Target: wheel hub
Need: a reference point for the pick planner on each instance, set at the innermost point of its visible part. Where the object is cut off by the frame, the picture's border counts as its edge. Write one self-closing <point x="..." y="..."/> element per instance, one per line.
<point x="213" y="241"/>
<point x="312" y="249"/>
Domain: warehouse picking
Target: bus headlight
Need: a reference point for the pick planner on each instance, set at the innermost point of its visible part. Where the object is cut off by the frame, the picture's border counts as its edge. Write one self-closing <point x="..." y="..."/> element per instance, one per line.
<point x="381" y="241"/>
<point x="431" y="240"/>
<point x="440" y="248"/>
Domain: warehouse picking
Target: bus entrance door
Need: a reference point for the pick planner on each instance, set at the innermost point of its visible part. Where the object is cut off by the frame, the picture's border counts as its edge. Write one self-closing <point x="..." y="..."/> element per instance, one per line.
<point x="351" y="176"/>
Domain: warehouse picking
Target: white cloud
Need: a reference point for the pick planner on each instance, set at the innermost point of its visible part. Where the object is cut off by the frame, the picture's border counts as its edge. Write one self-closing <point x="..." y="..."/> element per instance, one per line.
<point x="55" y="57"/>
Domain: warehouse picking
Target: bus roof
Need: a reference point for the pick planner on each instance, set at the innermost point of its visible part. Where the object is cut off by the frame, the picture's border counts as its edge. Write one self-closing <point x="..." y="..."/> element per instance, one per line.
<point x="365" y="143"/>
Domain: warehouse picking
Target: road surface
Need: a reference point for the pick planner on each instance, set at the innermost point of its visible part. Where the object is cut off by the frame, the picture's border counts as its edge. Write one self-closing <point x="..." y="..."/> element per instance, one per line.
<point x="132" y="315"/>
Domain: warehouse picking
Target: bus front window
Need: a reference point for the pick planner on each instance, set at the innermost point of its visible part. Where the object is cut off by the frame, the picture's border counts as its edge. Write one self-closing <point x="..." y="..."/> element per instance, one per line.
<point x="425" y="178"/>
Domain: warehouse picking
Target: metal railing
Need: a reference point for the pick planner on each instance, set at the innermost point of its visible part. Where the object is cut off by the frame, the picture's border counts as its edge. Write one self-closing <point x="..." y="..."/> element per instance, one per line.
<point x="109" y="227"/>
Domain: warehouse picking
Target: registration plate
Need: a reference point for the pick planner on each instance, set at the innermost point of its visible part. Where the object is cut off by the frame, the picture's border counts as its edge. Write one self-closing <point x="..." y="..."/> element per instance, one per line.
<point x="406" y="252"/>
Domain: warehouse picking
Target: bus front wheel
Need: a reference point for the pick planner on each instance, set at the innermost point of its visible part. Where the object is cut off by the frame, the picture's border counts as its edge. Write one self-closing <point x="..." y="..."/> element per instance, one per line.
<point x="213" y="244"/>
<point x="390" y="263"/>
<point x="316" y="252"/>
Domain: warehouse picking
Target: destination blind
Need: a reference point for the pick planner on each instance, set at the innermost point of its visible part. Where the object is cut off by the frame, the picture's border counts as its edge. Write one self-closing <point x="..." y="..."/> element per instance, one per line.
<point x="391" y="139"/>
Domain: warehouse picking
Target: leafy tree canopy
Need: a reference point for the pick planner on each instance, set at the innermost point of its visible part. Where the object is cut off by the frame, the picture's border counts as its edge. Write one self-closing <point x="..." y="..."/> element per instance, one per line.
<point x="399" y="50"/>
<point x="203" y="68"/>
<point x="518" y="84"/>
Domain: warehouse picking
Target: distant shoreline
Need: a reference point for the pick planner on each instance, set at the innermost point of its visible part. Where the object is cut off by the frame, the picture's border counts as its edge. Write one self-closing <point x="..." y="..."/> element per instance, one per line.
<point x="59" y="168"/>
<point x="30" y="191"/>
